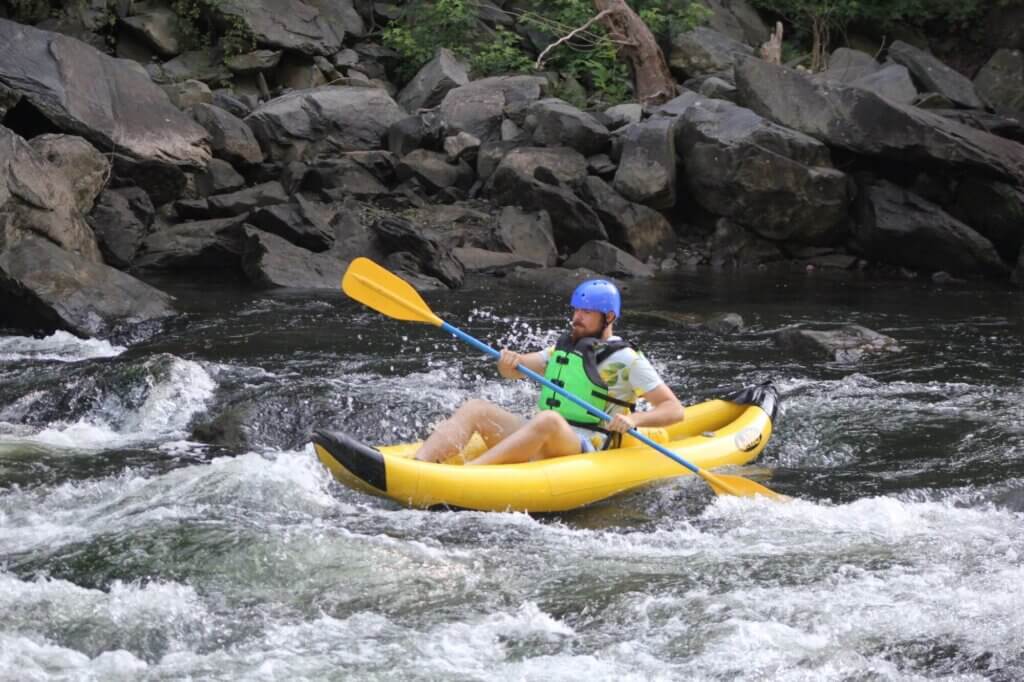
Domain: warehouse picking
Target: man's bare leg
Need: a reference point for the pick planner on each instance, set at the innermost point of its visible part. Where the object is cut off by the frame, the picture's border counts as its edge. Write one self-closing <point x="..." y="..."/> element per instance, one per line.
<point x="546" y="435"/>
<point x="451" y="436"/>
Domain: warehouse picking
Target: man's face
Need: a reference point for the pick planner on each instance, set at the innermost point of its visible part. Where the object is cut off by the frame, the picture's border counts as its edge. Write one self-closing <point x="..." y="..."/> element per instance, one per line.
<point x="586" y="323"/>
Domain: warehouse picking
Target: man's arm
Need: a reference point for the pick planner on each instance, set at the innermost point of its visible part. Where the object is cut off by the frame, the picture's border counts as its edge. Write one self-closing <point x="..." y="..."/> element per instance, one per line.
<point x="509" y="359"/>
<point x="667" y="410"/>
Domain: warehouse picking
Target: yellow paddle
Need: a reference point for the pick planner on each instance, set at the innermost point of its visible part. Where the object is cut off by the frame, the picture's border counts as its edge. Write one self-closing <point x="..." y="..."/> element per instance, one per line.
<point x="385" y="292"/>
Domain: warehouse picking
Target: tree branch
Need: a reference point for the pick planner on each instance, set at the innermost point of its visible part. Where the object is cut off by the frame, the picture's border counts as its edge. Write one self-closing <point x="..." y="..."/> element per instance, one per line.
<point x="584" y="27"/>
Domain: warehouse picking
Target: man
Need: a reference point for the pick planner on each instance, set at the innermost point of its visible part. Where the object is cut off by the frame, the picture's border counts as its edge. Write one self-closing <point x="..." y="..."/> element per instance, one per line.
<point x="593" y="364"/>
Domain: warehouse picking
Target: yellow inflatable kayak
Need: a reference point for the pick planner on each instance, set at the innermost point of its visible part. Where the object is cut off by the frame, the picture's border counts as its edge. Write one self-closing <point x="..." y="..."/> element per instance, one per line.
<point x="718" y="433"/>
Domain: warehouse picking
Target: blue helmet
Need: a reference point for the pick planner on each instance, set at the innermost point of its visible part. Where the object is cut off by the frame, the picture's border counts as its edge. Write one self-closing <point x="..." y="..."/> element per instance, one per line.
<point x="598" y="294"/>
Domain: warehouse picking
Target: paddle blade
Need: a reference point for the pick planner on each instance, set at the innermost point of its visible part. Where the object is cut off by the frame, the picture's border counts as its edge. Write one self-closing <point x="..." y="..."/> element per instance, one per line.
<point x="740" y="487"/>
<point x="385" y="292"/>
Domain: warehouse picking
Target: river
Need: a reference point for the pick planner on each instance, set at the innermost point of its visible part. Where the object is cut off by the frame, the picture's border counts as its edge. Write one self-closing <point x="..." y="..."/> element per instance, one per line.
<point x="162" y="515"/>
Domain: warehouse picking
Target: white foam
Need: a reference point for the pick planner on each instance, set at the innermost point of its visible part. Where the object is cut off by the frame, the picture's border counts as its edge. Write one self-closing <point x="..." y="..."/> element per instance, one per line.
<point x="60" y="346"/>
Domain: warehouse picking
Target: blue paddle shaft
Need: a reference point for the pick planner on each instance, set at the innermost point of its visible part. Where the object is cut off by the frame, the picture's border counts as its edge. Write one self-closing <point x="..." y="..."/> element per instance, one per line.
<point x="480" y="345"/>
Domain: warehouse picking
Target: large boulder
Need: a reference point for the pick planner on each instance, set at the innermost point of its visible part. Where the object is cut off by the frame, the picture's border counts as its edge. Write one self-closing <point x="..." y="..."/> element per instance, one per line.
<point x="434" y="170"/>
<point x="342" y="16"/>
<point x="846" y="65"/>
<point x="200" y="245"/>
<point x="230" y="138"/>
<point x="110" y="102"/>
<point x="85" y="169"/>
<point x="893" y="82"/>
<point x="1001" y="81"/>
<point x="638" y="229"/>
<point x="433" y="81"/>
<point x="479" y="107"/>
<point x="647" y="162"/>
<point x="319" y="123"/>
<point x="45" y="288"/>
<point x="737" y="19"/>
<point x="157" y="27"/>
<point x="305" y="224"/>
<point x="36" y="198"/>
<point x="934" y="76"/>
<point x="553" y="122"/>
<point x="705" y="52"/>
<point x="433" y="256"/>
<point x="994" y="209"/>
<point x="608" y="259"/>
<point x="121" y="219"/>
<point x="897" y="226"/>
<point x="775" y="181"/>
<point x="288" y="24"/>
<point x="860" y="121"/>
<point x="528" y="233"/>
<point x="271" y="261"/>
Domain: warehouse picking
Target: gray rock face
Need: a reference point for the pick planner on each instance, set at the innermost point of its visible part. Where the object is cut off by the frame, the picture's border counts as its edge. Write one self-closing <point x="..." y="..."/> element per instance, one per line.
<point x="432" y="256"/>
<point x="934" y="76"/>
<point x="110" y="102"/>
<point x="554" y="123"/>
<point x="318" y="123"/>
<point x="158" y="28"/>
<point x="218" y="178"/>
<point x="775" y="181"/>
<point x="121" y="219"/>
<point x="846" y="65"/>
<point x="1001" y="81"/>
<point x="271" y="261"/>
<point x="994" y="209"/>
<point x="253" y="62"/>
<point x="640" y="230"/>
<point x="201" y="245"/>
<point x="434" y="170"/>
<point x="705" y="52"/>
<point x="245" y="200"/>
<point x="481" y="260"/>
<point x="733" y="246"/>
<point x="230" y="138"/>
<point x="36" y="198"/>
<point x="206" y="65"/>
<point x="528" y="233"/>
<point x="341" y="15"/>
<point x="893" y="82"/>
<point x="479" y="106"/>
<point x="737" y="19"/>
<point x="300" y="224"/>
<point x="85" y="169"/>
<point x="899" y="227"/>
<point x="433" y="81"/>
<point x="43" y="287"/>
<point x="647" y="163"/>
<point x="288" y="24"/>
<point x="862" y="122"/>
<point x="607" y="259"/>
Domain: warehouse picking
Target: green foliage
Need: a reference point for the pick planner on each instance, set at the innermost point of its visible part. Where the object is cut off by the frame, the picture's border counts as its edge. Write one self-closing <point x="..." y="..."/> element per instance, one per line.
<point x="197" y="28"/>
<point x="589" y="57"/>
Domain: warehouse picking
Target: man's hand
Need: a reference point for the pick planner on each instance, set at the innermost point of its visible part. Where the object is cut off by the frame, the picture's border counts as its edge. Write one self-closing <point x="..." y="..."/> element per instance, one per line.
<point x="507" y="364"/>
<point x="621" y="423"/>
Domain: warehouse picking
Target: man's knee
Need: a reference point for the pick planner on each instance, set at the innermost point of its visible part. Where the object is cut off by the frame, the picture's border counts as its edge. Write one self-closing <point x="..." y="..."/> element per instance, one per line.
<point x="549" y="422"/>
<point x="475" y="407"/>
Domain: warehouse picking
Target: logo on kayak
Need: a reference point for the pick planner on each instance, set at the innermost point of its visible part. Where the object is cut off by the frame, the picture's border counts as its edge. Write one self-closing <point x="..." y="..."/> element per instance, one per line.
<point x="747" y="439"/>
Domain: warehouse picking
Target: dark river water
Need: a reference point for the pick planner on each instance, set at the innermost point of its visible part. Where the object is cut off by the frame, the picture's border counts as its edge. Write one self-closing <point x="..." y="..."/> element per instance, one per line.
<point x="162" y="515"/>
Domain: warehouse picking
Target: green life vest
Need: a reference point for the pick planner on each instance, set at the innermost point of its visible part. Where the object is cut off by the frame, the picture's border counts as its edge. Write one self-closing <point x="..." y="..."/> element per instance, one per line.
<point x="574" y="368"/>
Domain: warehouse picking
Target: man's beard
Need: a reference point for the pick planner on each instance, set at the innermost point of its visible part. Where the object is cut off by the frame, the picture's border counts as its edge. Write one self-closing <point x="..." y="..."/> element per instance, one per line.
<point x="577" y="332"/>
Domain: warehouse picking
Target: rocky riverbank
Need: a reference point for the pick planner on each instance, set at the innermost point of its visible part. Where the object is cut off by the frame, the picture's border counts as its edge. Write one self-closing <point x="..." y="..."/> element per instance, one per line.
<point x="123" y="155"/>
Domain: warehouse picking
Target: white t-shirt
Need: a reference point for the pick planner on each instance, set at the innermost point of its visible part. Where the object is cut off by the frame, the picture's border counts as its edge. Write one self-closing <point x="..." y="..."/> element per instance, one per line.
<point x="628" y="374"/>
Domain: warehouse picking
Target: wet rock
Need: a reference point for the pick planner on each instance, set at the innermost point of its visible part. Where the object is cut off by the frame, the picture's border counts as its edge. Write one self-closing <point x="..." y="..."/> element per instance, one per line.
<point x="409" y="267"/>
<point x="850" y="343"/>
<point x="482" y="260"/>
<point x="272" y="261"/>
<point x="733" y="246"/>
<point x="934" y="76"/>
<point x="110" y="102"/>
<point x="433" y="81"/>
<point x="36" y="198"/>
<point x="777" y="181"/>
<point x="993" y="209"/>
<point x="861" y="121"/>
<point x="704" y="51"/>
<point x="722" y="324"/>
<point x="899" y="227"/>
<point x="45" y="288"/>
<point x="434" y="257"/>
<point x="201" y="245"/>
<point x="647" y="163"/>
<point x="608" y="259"/>
<point x="552" y="122"/>
<point x="322" y="122"/>
<point x="230" y="138"/>
<point x="121" y="219"/>
<point x="640" y="230"/>
<point x="84" y="167"/>
<point x="556" y="281"/>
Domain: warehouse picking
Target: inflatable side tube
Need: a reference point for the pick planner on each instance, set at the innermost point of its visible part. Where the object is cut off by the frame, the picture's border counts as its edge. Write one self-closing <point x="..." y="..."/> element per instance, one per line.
<point x="361" y="460"/>
<point x="765" y="396"/>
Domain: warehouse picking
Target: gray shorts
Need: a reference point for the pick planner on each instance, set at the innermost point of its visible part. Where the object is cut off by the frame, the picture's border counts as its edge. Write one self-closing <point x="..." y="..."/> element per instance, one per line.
<point x="586" y="445"/>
